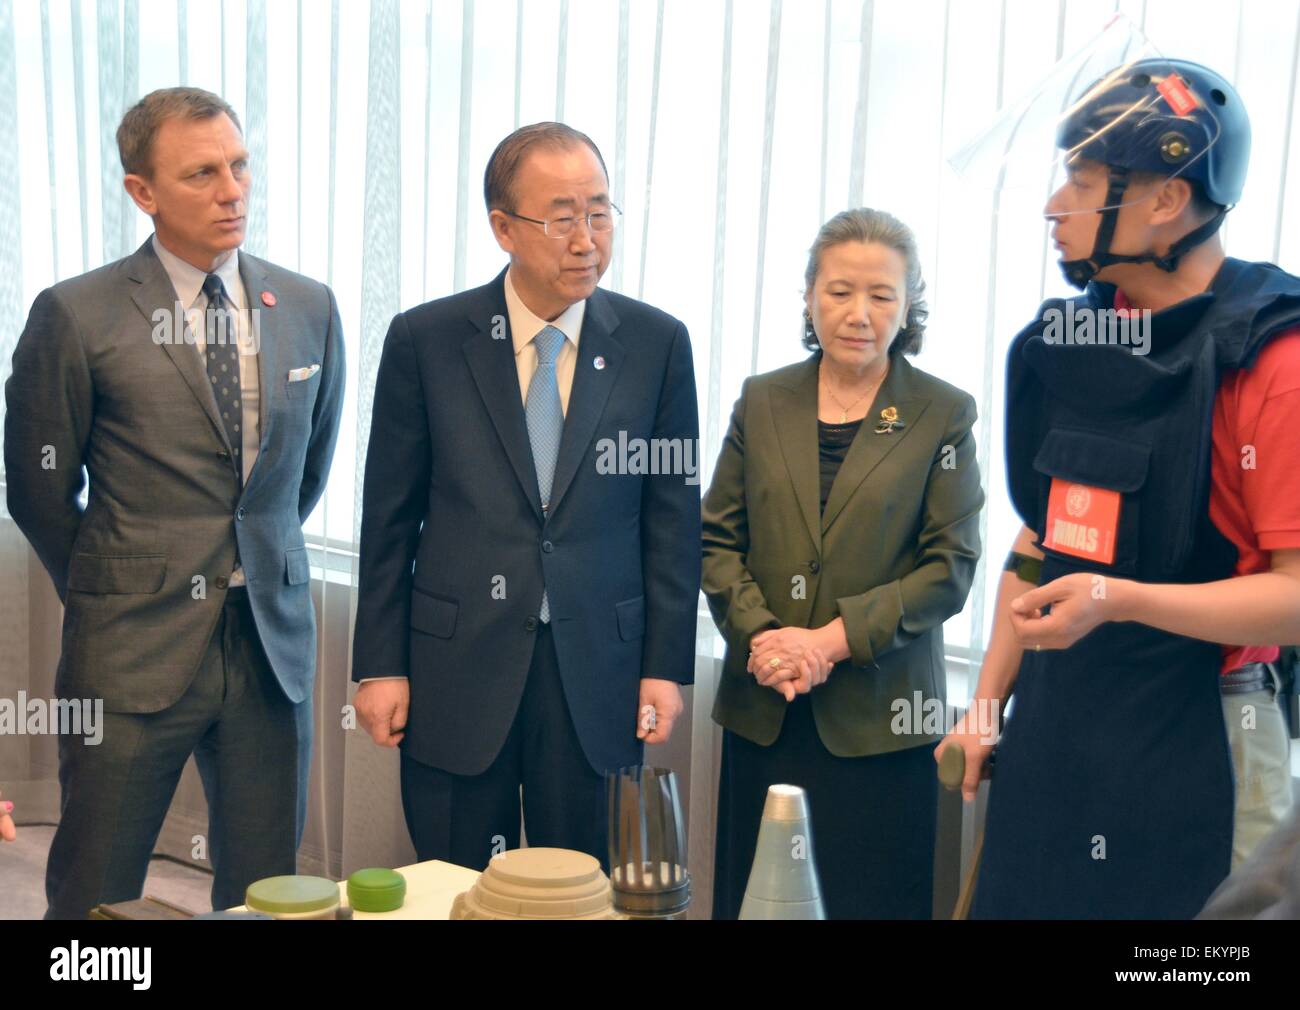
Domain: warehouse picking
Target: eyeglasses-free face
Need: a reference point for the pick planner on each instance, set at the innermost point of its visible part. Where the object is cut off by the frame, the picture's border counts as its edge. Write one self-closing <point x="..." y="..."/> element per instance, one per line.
<point x="197" y="191"/>
<point x="1074" y="212"/>
<point x="857" y="303"/>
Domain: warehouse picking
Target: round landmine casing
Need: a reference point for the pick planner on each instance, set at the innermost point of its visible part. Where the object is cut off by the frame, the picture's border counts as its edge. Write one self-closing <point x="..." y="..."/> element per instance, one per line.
<point x="538" y="884"/>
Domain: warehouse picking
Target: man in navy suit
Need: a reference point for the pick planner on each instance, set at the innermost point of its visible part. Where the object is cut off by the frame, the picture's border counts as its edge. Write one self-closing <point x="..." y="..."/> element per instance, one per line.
<point x="530" y="537"/>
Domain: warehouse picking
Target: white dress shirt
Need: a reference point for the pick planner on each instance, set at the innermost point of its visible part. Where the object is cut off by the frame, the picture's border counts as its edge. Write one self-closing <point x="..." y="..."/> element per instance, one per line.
<point x="525" y="325"/>
<point x="187" y="280"/>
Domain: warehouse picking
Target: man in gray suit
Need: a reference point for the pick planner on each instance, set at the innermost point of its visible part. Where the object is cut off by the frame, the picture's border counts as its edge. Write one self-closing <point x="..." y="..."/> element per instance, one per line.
<point x="200" y="389"/>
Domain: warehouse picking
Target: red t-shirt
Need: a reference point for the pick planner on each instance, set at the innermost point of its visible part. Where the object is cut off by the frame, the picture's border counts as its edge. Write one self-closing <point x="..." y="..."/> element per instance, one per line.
<point x="1255" y="465"/>
<point x="1255" y="474"/>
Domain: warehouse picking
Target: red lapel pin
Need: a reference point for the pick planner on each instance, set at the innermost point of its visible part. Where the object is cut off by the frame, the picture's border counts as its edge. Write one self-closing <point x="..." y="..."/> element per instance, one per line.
<point x="268" y="299"/>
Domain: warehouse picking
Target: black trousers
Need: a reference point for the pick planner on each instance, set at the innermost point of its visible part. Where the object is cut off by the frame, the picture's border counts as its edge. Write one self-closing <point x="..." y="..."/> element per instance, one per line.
<point x="467" y="819"/>
<point x="873" y="820"/>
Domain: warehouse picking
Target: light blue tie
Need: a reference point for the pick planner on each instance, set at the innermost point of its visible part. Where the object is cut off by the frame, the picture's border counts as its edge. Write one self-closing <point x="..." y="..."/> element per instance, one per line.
<point x="545" y="417"/>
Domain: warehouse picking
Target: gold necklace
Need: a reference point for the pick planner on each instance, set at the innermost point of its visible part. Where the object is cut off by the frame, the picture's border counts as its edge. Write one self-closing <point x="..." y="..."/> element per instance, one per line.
<point x="844" y="411"/>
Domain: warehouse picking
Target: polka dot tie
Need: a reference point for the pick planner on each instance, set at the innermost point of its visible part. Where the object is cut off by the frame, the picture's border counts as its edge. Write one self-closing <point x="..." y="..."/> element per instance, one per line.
<point x="545" y="416"/>
<point x="222" y="354"/>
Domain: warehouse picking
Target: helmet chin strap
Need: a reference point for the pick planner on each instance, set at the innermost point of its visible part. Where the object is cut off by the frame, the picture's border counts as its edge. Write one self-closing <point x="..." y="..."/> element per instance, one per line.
<point x="1079" y="272"/>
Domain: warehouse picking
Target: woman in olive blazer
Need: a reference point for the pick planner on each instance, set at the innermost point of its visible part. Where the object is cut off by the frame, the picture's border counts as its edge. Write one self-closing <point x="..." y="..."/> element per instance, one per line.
<point x="840" y="531"/>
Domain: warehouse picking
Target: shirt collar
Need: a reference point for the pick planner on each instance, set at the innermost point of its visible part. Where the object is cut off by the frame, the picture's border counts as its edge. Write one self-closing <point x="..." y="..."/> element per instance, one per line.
<point x="525" y="324"/>
<point x="1122" y="305"/>
<point x="188" y="279"/>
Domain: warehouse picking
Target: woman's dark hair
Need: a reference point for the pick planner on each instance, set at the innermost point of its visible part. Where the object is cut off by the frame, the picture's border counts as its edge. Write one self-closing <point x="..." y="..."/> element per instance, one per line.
<point x="864" y="224"/>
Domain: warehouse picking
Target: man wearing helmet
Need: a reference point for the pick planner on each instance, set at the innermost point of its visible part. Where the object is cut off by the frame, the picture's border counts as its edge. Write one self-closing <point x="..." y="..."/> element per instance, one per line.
<point x="1158" y="567"/>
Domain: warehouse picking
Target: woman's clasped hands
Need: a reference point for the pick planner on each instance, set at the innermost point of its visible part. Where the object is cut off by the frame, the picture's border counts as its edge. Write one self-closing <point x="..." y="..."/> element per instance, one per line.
<point x="791" y="661"/>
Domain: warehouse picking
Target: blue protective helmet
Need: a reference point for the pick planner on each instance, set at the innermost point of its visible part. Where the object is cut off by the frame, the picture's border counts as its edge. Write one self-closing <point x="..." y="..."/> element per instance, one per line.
<point x="1143" y="119"/>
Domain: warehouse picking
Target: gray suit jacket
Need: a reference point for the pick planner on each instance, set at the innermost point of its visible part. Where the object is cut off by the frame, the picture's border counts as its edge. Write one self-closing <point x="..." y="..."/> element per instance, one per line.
<point x="91" y="387"/>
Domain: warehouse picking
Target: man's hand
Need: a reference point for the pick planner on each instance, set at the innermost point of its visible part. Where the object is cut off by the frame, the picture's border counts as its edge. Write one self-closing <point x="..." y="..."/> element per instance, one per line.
<point x="659" y="705"/>
<point x="977" y="742"/>
<point x="793" y="661"/>
<point x="1079" y="603"/>
<point x="382" y="706"/>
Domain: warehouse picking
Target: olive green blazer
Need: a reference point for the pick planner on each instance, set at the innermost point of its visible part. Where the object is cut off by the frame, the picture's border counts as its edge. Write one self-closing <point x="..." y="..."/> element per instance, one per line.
<point x="894" y="554"/>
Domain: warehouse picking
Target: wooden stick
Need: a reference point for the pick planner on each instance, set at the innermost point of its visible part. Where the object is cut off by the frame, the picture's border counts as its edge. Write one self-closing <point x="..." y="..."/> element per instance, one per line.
<point x="952" y="770"/>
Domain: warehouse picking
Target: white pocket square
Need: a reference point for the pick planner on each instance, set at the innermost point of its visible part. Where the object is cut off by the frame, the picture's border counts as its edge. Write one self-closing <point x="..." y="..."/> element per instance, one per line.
<point x="298" y="374"/>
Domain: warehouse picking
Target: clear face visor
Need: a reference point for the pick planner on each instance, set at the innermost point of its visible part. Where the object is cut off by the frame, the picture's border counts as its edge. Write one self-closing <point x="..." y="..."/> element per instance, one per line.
<point x="1116" y="102"/>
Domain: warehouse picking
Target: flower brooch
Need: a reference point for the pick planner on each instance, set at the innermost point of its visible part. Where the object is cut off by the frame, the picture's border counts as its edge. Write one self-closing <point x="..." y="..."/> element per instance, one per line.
<point x="889" y="422"/>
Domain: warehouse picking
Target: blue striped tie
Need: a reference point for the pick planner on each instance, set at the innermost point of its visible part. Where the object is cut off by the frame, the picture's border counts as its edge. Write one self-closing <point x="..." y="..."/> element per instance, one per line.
<point x="545" y="416"/>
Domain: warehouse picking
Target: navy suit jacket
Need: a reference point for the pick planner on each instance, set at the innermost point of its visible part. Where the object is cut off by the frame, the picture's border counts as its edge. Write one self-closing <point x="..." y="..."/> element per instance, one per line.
<point x="455" y="548"/>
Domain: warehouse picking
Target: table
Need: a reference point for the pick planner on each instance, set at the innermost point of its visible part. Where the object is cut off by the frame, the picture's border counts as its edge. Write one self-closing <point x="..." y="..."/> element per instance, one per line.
<point x="431" y="887"/>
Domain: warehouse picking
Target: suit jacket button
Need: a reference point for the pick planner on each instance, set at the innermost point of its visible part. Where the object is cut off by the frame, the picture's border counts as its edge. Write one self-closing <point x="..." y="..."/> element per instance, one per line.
<point x="530" y="624"/>
<point x="239" y="512"/>
<point x="222" y="582"/>
<point x="814" y="566"/>
<point x="547" y="546"/>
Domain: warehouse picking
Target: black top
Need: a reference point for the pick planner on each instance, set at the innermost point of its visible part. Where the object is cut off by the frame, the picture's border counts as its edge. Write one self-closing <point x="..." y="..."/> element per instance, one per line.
<point x="833" y="441"/>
